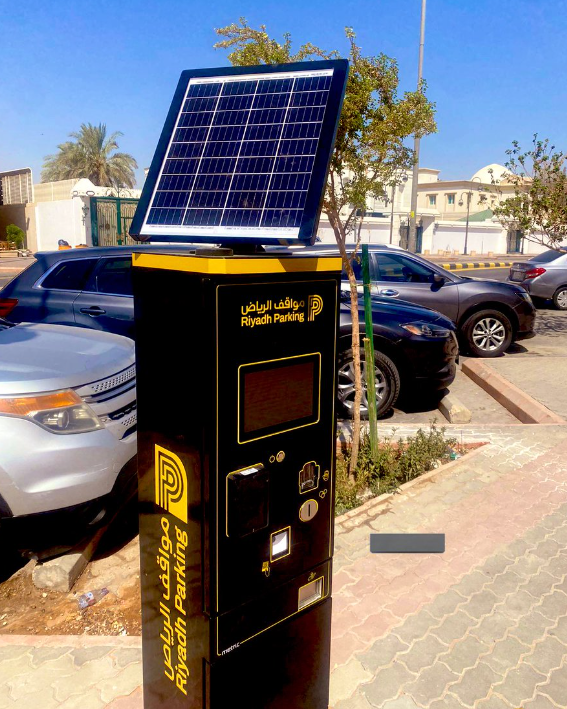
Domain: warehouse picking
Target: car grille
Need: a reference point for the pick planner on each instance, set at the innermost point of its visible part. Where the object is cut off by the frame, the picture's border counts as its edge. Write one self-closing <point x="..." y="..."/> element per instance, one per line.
<point x="104" y="385"/>
<point x="114" y="401"/>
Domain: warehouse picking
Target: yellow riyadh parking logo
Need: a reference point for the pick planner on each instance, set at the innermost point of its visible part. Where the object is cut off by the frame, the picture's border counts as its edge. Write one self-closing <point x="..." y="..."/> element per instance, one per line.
<point x="171" y="483"/>
<point x="315" y="306"/>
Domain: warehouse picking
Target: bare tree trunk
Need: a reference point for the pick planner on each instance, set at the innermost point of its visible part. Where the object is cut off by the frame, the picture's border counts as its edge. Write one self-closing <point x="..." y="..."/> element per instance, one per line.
<point x="340" y="236"/>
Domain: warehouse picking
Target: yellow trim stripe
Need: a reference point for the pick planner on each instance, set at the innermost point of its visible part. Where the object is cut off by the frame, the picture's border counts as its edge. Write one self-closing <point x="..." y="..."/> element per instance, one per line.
<point x="235" y="264"/>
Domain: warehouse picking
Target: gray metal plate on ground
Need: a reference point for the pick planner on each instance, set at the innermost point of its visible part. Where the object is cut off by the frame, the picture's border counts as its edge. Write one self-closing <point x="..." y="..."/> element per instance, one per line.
<point x="407" y="543"/>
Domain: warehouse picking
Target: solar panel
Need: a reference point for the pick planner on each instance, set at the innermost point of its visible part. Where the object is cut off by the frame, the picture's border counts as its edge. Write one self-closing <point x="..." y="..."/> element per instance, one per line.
<point x="244" y="154"/>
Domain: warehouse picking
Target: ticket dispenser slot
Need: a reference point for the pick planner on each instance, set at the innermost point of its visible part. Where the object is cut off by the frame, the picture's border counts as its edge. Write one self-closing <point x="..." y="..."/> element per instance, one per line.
<point x="248" y="499"/>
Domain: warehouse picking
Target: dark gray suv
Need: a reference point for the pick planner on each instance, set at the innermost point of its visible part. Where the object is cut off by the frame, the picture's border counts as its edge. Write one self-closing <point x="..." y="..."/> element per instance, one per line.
<point x="489" y="315"/>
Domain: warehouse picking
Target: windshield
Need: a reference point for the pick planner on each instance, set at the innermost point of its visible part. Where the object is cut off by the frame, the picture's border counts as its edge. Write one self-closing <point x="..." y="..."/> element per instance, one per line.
<point x="548" y="256"/>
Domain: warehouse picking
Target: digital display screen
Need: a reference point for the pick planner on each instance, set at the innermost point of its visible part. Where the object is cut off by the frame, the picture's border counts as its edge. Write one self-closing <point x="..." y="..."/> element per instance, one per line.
<point x="275" y="396"/>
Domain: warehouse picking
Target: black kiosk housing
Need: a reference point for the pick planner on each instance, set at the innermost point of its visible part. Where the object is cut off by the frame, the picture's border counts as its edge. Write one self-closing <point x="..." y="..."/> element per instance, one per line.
<point x="236" y="379"/>
<point x="236" y="463"/>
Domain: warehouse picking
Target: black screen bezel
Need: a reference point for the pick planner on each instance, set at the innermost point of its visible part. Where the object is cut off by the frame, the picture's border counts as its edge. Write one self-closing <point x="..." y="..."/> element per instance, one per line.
<point x="290" y="425"/>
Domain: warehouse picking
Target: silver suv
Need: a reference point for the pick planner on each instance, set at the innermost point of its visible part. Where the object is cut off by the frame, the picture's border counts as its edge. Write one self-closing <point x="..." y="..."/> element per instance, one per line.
<point x="67" y="420"/>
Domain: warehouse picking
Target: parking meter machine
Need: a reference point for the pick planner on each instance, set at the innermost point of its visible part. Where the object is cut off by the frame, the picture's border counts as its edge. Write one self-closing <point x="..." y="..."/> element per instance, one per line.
<point x="236" y="376"/>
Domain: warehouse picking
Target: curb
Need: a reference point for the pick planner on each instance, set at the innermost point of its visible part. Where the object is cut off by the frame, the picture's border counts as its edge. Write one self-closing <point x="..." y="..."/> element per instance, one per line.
<point x="60" y="573"/>
<point x="476" y="264"/>
<point x="73" y="641"/>
<point x="519" y="404"/>
<point x="367" y="507"/>
<point x="454" y="410"/>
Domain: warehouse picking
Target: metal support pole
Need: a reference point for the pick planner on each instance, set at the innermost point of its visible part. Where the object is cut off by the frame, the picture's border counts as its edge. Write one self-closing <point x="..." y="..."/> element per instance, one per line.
<point x="369" y="355"/>
<point x="412" y="238"/>
<point x="392" y="213"/>
<point x="469" y="195"/>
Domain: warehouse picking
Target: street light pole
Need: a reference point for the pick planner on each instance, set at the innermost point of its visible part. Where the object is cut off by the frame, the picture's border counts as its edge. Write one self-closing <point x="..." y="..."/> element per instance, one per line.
<point x="392" y="212"/>
<point x="412" y="237"/>
<point x="469" y="197"/>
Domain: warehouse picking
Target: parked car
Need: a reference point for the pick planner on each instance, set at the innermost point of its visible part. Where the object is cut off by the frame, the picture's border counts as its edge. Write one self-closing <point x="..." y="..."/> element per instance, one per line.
<point x="415" y="349"/>
<point x="544" y="276"/>
<point x="67" y="424"/>
<point x="90" y="288"/>
<point x="489" y="314"/>
<point x="61" y="285"/>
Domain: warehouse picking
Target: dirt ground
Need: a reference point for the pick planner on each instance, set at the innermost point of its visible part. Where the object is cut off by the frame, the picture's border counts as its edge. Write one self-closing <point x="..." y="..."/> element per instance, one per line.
<point x="27" y="610"/>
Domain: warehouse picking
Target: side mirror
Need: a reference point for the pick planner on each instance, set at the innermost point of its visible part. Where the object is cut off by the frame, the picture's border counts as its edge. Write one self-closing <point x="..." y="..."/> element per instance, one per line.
<point x="439" y="280"/>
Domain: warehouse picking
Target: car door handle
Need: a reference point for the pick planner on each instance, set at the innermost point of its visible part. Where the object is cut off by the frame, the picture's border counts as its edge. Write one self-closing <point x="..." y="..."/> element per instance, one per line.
<point x="390" y="292"/>
<point x="93" y="311"/>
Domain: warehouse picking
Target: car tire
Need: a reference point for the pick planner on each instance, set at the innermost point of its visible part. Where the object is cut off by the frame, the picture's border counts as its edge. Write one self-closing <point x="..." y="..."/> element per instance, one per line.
<point x="487" y="333"/>
<point x="387" y="384"/>
<point x="560" y="298"/>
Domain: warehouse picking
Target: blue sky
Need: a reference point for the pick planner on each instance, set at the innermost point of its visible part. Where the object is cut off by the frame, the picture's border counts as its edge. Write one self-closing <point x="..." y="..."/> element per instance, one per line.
<point x="496" y="69"/>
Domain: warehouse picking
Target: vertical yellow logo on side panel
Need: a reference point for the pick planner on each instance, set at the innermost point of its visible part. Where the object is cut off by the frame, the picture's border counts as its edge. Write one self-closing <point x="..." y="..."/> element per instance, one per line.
<point x="315" y="306"/>
<point x="171" y="483"/>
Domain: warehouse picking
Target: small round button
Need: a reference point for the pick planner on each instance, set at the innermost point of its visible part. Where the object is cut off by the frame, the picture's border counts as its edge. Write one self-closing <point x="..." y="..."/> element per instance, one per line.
<point x="280" y="456"/>
<point x="308" y="510"/>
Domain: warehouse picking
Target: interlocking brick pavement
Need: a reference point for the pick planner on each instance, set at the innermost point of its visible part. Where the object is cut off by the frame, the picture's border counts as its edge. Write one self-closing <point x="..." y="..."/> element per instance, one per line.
<point x="483" y="626"/>
<point x="70" y="672"/>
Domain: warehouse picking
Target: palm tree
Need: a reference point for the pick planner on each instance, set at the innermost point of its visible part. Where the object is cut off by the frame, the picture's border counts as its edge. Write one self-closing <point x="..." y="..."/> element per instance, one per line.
<point x="91" y="155"/>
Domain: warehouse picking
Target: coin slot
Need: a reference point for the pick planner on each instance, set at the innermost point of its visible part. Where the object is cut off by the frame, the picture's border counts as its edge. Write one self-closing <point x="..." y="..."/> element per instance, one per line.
<point x="308" y="510"/>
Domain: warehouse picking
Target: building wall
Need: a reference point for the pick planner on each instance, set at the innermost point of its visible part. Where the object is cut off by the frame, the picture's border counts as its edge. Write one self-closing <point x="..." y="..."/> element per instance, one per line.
<point x="31" y="228"/>
<point x="53" y="191"/>
<point x="60" y="219"/>
<point x="16" y="186"/>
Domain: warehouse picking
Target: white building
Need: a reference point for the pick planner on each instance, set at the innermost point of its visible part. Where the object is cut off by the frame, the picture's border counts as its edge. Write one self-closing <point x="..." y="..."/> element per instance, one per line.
<point x="442" y="215"/>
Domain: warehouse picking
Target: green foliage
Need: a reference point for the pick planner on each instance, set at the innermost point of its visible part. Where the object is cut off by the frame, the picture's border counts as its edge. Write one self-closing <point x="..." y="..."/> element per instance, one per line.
<point x="91" y="155"/>
<point x="539" y="205"/>
<point x="15" y="235"/>
<point x="370" y="149"/>
<point x="397" y="462"/>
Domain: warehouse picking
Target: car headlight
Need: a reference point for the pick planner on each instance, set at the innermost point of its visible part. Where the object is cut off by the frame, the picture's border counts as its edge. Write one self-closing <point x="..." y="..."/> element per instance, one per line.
<point x="60" y="412"/>
<point x="525" y="295"/>
<point x="427" y="330"/>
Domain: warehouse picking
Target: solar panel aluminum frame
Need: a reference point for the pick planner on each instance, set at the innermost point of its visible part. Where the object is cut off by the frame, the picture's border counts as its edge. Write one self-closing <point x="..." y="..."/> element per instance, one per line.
<point x="317" y="183"/>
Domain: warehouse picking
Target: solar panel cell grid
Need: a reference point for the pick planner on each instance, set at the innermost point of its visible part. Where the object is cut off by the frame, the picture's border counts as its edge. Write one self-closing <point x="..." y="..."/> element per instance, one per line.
<point x="241" y="153"/>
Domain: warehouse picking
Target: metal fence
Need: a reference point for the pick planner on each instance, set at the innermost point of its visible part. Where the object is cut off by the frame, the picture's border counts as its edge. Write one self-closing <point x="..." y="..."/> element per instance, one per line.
<point x="110" y="220"/>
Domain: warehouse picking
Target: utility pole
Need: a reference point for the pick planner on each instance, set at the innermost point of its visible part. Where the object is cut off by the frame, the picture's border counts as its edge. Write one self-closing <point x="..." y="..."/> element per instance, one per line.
<point x="412" y="237"/>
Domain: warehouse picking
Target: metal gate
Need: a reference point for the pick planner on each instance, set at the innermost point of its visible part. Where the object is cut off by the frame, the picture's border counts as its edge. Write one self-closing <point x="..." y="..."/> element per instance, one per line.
<point x="110" y="220"/>
<point x="515" y="242"/>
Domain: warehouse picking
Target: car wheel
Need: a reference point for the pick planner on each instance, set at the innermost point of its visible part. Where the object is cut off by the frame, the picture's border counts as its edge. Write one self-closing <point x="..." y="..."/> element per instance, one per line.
<point x="387" y="384"/>
<point x="487" y="333"/>
<point x="560" y="298"/>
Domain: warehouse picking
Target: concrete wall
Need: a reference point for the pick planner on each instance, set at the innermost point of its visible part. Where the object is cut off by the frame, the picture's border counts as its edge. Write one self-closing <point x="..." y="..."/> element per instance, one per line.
<point x="31" y="228"/>
<point x="62" y="219"/>
<point x="53" y="191"/>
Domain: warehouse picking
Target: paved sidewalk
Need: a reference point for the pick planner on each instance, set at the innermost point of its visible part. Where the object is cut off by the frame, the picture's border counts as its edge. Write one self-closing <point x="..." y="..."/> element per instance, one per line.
<point x="70" y="672"/>
<point x="483" y="625"/>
